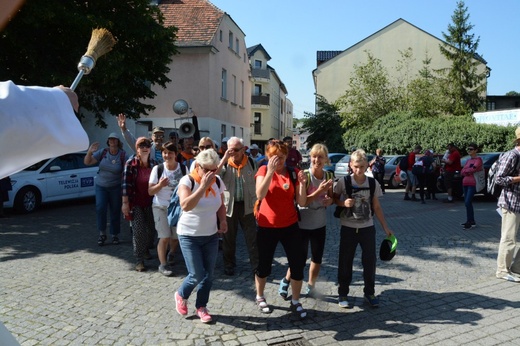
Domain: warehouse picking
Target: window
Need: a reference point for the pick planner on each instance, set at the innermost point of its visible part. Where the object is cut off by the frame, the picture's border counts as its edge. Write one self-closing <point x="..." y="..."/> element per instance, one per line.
<point x="242" y="93"/>
<point x="237" y="48"/>
<point x="234" y="89"/>
<point x="224" y="84"/>
<point x="258" y="90"/>
<point x="223" y="132"/>
<point x="233" y="131"/>
<point x="258" y="64"/>
<point x="220" y="35"/>
<point x="258" y="123"/>
<point x="230" y="40"/>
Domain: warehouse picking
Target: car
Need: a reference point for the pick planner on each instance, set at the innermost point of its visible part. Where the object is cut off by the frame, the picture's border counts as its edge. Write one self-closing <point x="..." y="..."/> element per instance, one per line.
<point x="392" y="161"/>
<point x="333" y="158"/>
<point x="487" y="160"/>
<point x="342" y="168"/>
<point x="55" y="179"/>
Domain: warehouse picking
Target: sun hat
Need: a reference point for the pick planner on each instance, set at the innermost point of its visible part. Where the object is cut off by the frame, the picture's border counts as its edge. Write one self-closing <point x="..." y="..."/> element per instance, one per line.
<point x="113" y="135"/>
<point x="388" y="248"/>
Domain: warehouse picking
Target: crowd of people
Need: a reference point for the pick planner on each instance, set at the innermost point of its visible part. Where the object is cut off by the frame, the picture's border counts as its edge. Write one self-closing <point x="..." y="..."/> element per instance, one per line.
<point x="224" y="189"/>
<point x="219" y="190"/>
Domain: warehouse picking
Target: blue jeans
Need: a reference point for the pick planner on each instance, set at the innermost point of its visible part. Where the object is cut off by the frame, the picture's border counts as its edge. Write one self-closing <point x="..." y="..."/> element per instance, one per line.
<point x="200" y="255"/>
<point x="108" y="198"/>
<point x="469" y="192"/>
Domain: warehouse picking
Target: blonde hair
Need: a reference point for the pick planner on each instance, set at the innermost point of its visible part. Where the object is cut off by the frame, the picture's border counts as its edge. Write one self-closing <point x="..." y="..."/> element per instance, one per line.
<point x="359" y="156"/>
<point x="204" y="140"/>
<point x="320" y="149"/>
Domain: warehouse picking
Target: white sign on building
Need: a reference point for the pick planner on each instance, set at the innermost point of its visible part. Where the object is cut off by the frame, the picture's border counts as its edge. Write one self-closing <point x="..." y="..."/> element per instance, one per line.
<point x="503" y="118"/>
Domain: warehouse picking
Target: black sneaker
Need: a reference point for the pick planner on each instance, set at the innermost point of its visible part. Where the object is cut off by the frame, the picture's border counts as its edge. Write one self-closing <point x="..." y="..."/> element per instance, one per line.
<point x="372" y="300"/>
<point x="102" y="239"/>
<point x="406" y="197"/>
<point x="115" y="240"/>
<point x="468" y="225"/>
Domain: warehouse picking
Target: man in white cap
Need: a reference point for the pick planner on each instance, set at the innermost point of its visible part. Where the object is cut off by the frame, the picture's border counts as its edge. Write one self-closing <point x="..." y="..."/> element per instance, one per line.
<point x="508" y="176"/>
<point x="256" y="155"/>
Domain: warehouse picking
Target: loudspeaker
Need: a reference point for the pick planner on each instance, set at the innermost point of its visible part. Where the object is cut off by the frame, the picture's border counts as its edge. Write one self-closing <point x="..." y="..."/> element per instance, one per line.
<point x="186" y="130"/>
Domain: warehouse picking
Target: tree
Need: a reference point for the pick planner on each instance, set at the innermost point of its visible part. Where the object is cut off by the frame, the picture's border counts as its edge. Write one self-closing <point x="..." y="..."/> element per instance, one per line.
<point x="324" y="126"/>
<point x="369" y="96"/>
<point x="512" y="93"/>
<point x="426" y="96"/>
<point x="45" y="40"/>
<point x="464" y="82"/>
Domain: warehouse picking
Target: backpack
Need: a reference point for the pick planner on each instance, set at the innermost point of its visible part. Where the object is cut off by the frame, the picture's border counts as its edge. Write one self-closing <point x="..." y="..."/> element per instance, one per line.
<point x="403" y="164"/>
<point x="122" y="155"/>
<point x="174" y="208"/>
<point x="160" y="170"/>
<point x="492" y="187"/>
<point x="360" y="213"/>
<point x="328" y="175"/>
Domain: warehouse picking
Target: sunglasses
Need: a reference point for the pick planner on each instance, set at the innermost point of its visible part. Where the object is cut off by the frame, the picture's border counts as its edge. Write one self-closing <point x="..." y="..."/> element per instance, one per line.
<point x="144" y="145"/>
<point x="470" y="149"/>
<point x="209" y="146"/>
<point x="208" y="170"/>
<point x="196" y="149"/>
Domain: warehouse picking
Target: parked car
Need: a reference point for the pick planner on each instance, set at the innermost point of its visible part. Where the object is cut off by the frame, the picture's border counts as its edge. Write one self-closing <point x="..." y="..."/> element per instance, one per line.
<point x="392" y="161"/>
<point x="56" y="179"/>
<point x="487" y="160"/>
<point x="333" y="158"/>
<point x="342" y="168"/>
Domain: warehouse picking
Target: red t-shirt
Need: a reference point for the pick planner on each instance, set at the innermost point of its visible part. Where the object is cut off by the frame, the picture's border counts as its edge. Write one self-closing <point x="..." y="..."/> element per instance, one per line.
<point x="277" y="208"/>
<point x="454" y="157"/>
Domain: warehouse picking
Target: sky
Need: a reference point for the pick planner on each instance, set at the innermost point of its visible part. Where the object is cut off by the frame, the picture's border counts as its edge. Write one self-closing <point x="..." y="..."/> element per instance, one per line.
<point x="292" y="31"/>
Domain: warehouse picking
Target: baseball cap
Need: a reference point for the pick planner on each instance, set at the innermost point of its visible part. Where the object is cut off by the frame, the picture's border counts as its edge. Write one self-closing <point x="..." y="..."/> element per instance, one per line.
<point x="388" y="248"/>
<point x="157" y="129"/>
<point x="253" y="147"/>
<point x="224" y="140"/>
<point x="113" y="135"/>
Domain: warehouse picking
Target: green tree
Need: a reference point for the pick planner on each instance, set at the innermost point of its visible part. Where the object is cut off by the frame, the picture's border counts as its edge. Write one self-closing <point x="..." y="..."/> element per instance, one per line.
<point x="324" y="126"/>
<point x="512" y="93"/>
<point x="426" y="96"/>
<point x="464" y="82"/>
<point x="369" y="96"/>
<point x="43" y="43"/>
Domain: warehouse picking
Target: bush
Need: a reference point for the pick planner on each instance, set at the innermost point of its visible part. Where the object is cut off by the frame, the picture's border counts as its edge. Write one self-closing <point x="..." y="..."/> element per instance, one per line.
<point x="398" y="133"/>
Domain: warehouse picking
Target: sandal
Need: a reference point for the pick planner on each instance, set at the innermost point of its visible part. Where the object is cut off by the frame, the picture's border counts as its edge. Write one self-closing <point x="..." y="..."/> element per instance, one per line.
<point x="283" y="290"/>
<point x="262" y="305"/>
<point x="298" y="310"/>
<point x="101" y="240"/>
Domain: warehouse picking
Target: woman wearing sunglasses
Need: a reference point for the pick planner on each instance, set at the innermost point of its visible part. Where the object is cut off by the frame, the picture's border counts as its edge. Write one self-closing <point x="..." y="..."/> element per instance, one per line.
<point x="469" y="183"/>
<point x="202" y="201"/>
<point x="137" y="203"/>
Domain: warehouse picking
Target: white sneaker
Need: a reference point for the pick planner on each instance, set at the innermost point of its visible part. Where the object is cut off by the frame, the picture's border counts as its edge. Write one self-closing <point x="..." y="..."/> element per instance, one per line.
<point x="165" y="271"/>
<point x="509" y="277"/>
<point x="344" y="303"/>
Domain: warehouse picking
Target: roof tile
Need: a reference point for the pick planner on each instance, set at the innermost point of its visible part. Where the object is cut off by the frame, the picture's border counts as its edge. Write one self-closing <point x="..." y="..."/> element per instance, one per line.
<point x="197" y="20"/>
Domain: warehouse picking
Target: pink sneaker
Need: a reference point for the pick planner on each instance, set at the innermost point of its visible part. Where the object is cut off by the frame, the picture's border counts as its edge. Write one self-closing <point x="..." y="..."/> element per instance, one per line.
<point x="181" y="304"/>
<point x="204" y="315"/>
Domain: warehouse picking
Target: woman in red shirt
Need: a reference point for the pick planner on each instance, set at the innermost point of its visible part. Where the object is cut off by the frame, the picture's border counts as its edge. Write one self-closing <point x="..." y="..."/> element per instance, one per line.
<point x="277" y="189"/>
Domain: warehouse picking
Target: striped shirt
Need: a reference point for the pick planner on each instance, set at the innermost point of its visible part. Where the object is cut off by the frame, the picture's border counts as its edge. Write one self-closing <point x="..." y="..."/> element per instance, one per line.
<point x="509" y="168"/>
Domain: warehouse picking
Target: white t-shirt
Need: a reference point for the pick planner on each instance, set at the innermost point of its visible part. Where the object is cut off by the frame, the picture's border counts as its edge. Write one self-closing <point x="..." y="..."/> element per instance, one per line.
<point x="37" y="123"/>
<point x="201" y="220"/>
<point x="164" y="195"/>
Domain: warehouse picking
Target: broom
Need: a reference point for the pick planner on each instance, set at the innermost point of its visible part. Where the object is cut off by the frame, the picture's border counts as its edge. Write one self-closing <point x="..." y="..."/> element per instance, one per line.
<point x="101" y="42"/>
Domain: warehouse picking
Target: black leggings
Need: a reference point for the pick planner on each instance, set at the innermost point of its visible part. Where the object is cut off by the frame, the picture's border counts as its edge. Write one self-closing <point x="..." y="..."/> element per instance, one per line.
<point x="292" y="241"/>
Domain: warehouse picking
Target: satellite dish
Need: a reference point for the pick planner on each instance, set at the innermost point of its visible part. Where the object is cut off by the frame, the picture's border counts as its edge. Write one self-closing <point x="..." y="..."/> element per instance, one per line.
<point x="180" y="106"/>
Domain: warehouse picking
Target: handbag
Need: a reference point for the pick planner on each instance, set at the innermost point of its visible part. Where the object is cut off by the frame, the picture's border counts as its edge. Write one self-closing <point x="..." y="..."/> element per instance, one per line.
<point x="480" y="179"/>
